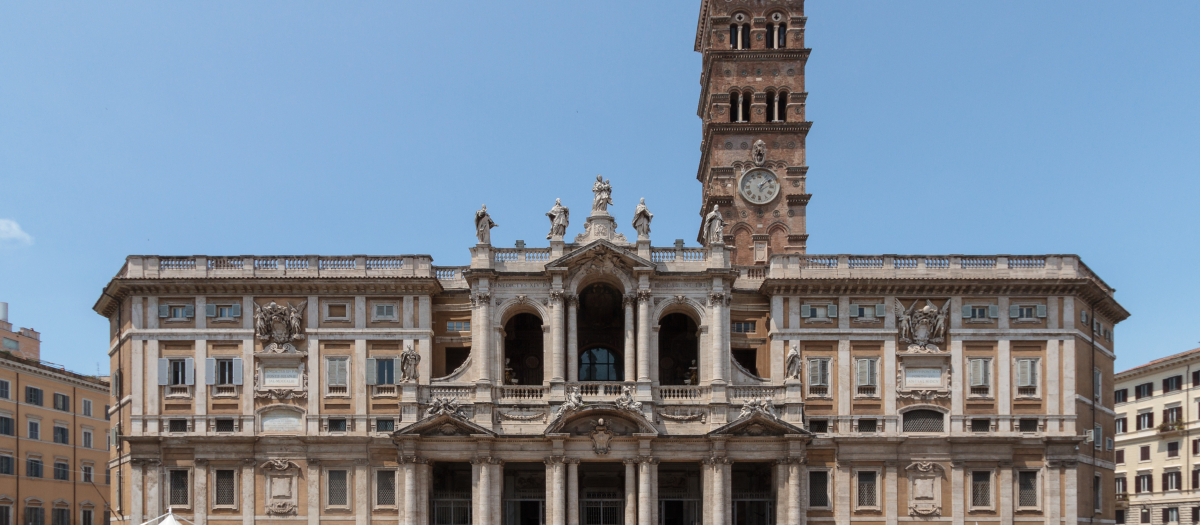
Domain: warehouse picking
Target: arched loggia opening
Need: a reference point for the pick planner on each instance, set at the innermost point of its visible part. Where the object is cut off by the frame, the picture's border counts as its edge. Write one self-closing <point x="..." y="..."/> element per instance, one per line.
<point x="601" y="334"/>
<point x="523" y="350"/>
<point x="678" y="350"/>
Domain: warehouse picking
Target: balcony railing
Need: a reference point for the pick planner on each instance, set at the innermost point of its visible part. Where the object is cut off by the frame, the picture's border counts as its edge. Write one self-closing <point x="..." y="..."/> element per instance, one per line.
<point x="521" y="393"/>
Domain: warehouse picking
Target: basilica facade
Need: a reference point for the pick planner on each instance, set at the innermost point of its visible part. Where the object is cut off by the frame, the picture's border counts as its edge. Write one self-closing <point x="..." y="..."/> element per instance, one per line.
<point x="607" y="380"/>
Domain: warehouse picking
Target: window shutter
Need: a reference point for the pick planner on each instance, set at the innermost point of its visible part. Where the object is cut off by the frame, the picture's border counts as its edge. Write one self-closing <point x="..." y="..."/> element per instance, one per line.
<point x="880" y="310"/>
<point x="189" y="311"/>
<point x="966" y="312"/>
<point x="237" y="310"/>
<point x="832" y="309"/>
<point x="814" y="372"/>
<point x="237" y="371"/>
<point x="210" y="310"/>
<point x="862" y="372"/>
<point x="805" y="311"/>
<point x="825" y="372"/>
<point x="1013" y="311"/>
<point x="395" y="367"/>
<point x="372" y="371"/>
<point x="853" y="310"/>
<point x="976" y="372"/>
<point x="210" y="371"/>
<point x="993" y="311"/>
<point x="164" y="371"/>
<point x="873" y="373"/>
<point x="1033" y="372"/>
<point x="189" y="371"/>
<point x="1023" y="372"/>
<point x="1041" y="310"/>
<point x="164" y="310"/>
<point x="987" y="372"/>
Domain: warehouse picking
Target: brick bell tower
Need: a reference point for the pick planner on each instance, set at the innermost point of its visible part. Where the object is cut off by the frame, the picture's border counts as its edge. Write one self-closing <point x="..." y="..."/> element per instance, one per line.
<point x="752" y="97"/>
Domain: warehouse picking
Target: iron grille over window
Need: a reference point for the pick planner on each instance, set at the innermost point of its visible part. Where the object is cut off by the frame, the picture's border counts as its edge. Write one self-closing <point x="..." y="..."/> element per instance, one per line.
<point x="451" y="512"/>
<point x="866" y="489"/>
<point x="225" y="488"/>
<point x="385" y="487"/>
<point x="177" y="425"/>
<point x="818" y="489"/>
<point x="224" y="425"/>
<point x="385" y="425"/>
<point x="923" y="421"/>
<point x="1027" y="489"/>
<point x="868" y="425"/>
<point x="179" y="487"/>
<point x="337" y="488"/>
<point x="981" y="489"/>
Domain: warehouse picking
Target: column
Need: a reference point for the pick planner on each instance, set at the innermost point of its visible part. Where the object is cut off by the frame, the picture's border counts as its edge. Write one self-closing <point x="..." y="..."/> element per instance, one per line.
<point x="483" y="330"/>
<point x="494" y="492"/>
<point x="408" y="467"/>
<point x="136" y="498"/>
<point x="550" y="489"/>
<point x="479" y="496"/>
<point x="424" y="472"/>
<point x="572" y="491"/>
<point x="644" y="352"/>
<point x="654" y="490"/>
<point x="560" y="481"/>
<point x="717" y="498"/>
<point x="633" y="358"/>
<point x="1006" y="490"/>
<point x="644" y="502"/>
<point x="362" y="491"/>
<point x="313" y="479"/>
<point x="631" y="495"/>
<point x="1072" y="508"/>
<point x="720" y="352"/>
<point x="793" y="493"/>
<point x="248" y="484"/>
<point x="573" y="338"/>
<point x="727" y="488"/>
<point x="958" y="494"/>
<point x="556" y="334"/>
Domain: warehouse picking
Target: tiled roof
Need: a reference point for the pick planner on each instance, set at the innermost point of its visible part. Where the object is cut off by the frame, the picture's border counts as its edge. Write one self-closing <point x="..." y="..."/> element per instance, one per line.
<point x="1161" y="360"/>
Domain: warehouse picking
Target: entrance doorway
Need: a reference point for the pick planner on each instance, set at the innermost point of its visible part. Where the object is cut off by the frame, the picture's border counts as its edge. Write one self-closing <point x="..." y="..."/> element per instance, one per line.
<point x="524" y="495"/>
<point x="450" y="498"/>
<point x="753" y="494"/>
<point x="602" y="493"/>
<point x="679" y="494"/>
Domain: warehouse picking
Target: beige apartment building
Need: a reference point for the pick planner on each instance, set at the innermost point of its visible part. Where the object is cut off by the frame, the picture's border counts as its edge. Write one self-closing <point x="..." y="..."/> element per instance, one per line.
<point x="1158" y="441"/>
<point x="603" y="379"/>
<point x="53" y="443"/>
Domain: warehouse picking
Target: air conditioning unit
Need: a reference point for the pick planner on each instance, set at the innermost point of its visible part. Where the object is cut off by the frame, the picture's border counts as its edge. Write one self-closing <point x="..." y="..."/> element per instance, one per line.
<point x="1089" y="436"/>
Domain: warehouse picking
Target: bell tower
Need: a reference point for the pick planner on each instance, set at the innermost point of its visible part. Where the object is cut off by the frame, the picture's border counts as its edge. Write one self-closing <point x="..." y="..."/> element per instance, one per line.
<point x="752" y="165"/>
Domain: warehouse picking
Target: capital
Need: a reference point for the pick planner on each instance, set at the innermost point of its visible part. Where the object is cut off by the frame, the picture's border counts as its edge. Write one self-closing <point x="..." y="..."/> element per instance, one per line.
<point x="643" y="296"/>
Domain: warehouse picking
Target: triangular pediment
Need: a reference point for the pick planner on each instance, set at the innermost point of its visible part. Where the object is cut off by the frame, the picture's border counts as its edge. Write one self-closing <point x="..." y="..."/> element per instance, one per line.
<point x="622" y="421"/>
<point x="442" y="425"/>
<point x="604" y="251"/>
<point x="758" y="424"/>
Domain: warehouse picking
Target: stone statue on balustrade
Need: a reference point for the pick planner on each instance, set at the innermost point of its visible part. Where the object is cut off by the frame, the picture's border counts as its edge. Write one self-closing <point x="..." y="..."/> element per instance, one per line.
<point x="793" y="363"/>
<point x="484" y="225"/>
<point x="714" y="227"/>
<point x="641" y="220"/>
<point x="560" y="217"/>
<point x="409" y="362"/>
<point x="603" y="190"/>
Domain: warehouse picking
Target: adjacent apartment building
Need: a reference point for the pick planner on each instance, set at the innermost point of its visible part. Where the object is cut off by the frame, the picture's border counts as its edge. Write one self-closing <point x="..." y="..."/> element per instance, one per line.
<point x="1158" y="441"/>
<point x="53" y="442"/>
<point x="603" y="379"/>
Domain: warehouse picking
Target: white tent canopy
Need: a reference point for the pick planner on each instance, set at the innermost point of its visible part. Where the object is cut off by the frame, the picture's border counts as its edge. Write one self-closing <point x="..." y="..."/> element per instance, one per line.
<point x="167" y="519"/>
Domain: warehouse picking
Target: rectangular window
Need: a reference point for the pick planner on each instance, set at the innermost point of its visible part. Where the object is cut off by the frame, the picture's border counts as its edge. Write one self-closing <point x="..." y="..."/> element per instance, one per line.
<point x="1196" y="449"/>
<point x="1144" y="453"/>
<point x="1172" y="415"/>
<point x="1027" y="377"/>
<point x="33" y="468"/>
<point x="177" y="371"/>
<point x="85" y="517"/>
<point x="743" y="327"/>
<point x="867" y="311"/>
<point x="818" y="426"/>
<point x="226" y="490"/>
<point x="458" y="326"/>
<point x="1171" y="515"/>
<point x="7" y="465"/>
<point x="1097" y="437"/>
<point x="1119" y="482"/>
<point x="87" y="407"/>
<point x="87" y="439"/>
<point x="62" y="435"/>
<point x="385" y="425"/>
<point x="179" y="311"/>
<point x="1121" y="396"/>
<point x="225" y="371"/>
<point x="1027" y="488"/>
<point x="818" y="488"/>
<point x="1172" y="449"/>
<point x="981" y="425"/>
<point x="385" y="488"/>
<point x="385" y="371"/>
<point x="62" y="471"/>
<point x="86" y="472"/>
<point x="35" y="515"/>
<point x="1143" y="390"/>
<point x="1172" y="480"/>
<point x="1121" y="424"/>
<point x="818" y="377"/>
<point x="981" y="377"/>
<point x="62" y="402"/>
<point x="867" y="494"/>
<point x="1195" y="382"/>
<point x="1026" y="312"/>
<point x="337" y="375"/>
<point x="1196" y="484"/>
<point x="4" y="390"/>
<point x="33" y="396"/>
<point x="385" y="312"/>
<point x="1120" y="457"/>
<point x="179" y="494"/>
<point x="60" y="517"/>
<point x="35" y="430"/>
<point x="11" y="344"/>
<point x="8" y="426"/>
<point x="337" y="424"/>
<point x="337" y="491"/>
<point x="1145" y="420"/>
<point x="6" y="515"/>
<point x="868" y="425"/>
<point x="981" y="488"/>
<point x="1173" y="383"/>
<point x="225" y="425"/>
<point x="976" y="312"/>
<point x="177" y="425"/>
<point x="1027" y="425"/>
<point x="866" y="376"/>
<point x="337" y="312"/>
<point x="1144" y="515"/>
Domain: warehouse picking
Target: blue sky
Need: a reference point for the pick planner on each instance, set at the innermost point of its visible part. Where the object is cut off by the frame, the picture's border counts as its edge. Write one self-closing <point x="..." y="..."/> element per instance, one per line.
<point x="186" y="128"/>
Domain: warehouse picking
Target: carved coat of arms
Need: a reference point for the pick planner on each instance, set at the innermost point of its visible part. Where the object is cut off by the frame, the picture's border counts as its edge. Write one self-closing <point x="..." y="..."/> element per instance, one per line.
<point x="601" y="437"/>
<point x="279" y="325"/>
<point x="922" y="328"/>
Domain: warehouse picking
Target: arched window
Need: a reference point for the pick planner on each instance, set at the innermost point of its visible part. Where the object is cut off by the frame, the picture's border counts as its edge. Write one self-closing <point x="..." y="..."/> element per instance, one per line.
<point x="739" y="32"/>
<point x="924" y="421"/>
<point x="745" y="113"/>
<point x="771" y="106"/>
<point x="777" y="31"/>
<point x="598" y="364"/>
<point x="735" y="106"/>
<point x="782" y="107"/>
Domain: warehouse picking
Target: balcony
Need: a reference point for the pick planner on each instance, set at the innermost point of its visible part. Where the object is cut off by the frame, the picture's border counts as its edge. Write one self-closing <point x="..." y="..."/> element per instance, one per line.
<point x="1171" y="427"/>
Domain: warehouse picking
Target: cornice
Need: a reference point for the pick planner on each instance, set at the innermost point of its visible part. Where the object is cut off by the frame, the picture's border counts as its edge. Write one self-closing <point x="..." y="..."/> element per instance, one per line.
<point x="748" y="55"/>
<point x="710" y="128"/>
<point x="98" y="386"/>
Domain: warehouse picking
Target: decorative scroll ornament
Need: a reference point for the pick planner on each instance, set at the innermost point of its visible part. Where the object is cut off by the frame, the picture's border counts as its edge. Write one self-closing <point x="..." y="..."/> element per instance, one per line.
<point x="794" y="363"/>
<point x="560" y="217"/>
<point x="925" y="490"/>
<point x="759" y="153"/>
<point x="279" y="325"/>
<point x="445" y="406"/>
<point x="601" y="437"/>
<point x="625" y="400"/>
<point x="278" y="465"/>
<point x="573" y="402"/>
<point x="765" y="407"/>
<point x="409" y="361"/>
<point x="922" y="328"/>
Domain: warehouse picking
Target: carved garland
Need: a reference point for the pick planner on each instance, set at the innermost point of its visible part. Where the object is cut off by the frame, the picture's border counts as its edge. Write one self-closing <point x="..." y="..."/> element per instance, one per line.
<point x="520" y="417"/>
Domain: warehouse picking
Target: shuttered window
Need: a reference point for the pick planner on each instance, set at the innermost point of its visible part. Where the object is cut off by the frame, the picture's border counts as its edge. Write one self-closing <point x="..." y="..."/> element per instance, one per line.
<point x="1027" y="376"/>
<point x="981" y="376"/>
<point x="337" y="375"/>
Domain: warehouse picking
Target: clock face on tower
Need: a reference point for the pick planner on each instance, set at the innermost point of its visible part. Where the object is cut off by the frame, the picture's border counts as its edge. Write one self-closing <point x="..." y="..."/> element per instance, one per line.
<point x="759" y="186"/>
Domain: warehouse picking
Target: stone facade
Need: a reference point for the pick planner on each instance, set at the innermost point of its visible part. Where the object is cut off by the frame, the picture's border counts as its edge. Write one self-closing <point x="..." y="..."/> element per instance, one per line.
<point x="604" y="380"/>
<point x="1158" y="441"/>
